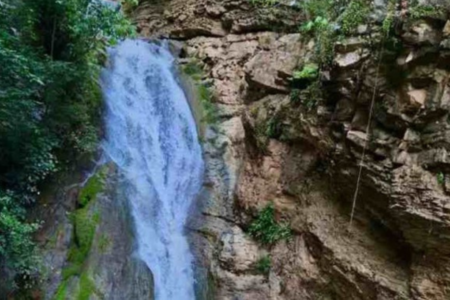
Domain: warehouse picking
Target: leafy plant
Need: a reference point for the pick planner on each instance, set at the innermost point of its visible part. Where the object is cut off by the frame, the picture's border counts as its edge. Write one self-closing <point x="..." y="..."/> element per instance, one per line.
<point x="316" y="24"/>
<point x="295" y="95"/>
<point x="389" y="20"/>
<point x="440" y="178"/>
<point x="309" y="71"/>
<point x="17" y="250"/>
<point x="273" y="129"/>
<point x="312" y="95"/>
<point x="420" y="11"/>
<point x="264" y="264"/>
<point x="355" y="14"/>
<point x="266" y="230"/>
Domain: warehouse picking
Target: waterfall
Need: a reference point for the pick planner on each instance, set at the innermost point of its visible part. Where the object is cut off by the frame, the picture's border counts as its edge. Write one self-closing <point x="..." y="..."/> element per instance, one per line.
<point x="152" y="137"/>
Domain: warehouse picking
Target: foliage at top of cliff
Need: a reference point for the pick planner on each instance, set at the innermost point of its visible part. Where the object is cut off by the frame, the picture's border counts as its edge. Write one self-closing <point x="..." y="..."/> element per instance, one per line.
<point x="51" y="53"/>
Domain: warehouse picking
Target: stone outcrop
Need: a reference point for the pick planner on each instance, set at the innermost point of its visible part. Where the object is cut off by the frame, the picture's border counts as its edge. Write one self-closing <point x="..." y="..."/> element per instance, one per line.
<point x="107" y="269"/>
<point x="305" y="158"/>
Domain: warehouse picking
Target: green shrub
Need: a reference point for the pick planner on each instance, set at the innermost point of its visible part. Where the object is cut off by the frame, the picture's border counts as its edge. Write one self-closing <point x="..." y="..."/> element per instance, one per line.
<point x="17" y="250"/>
<point x="266" y="230"/>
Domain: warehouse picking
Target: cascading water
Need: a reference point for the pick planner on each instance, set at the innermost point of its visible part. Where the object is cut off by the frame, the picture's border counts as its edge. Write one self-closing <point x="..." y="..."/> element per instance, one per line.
<point x="152" y="137"/>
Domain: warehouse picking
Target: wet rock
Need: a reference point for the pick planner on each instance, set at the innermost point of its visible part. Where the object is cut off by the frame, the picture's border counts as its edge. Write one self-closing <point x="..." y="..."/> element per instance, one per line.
<point x="109" y="269"/>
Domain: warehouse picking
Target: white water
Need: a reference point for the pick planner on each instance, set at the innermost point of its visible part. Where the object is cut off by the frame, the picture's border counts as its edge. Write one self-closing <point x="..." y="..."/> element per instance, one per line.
<point x="151" y="136"/>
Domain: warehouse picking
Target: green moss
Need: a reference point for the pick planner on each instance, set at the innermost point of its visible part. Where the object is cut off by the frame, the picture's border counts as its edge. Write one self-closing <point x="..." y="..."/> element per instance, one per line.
<point x="61" y="291"/>
<point x="72" y="270"/>
<point x="86" y="287"/>
<point x="84" y="225"/>
<point x="84" y="231"/>
<point x="209" y="111"/>
<point x="104" y="243"/>
<point x="93" y="187"/>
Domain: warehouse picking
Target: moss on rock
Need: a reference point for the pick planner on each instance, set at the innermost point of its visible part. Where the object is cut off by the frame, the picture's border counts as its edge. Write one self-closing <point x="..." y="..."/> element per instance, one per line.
<point x="85" y="221"/>
<point x="93" y="186"/>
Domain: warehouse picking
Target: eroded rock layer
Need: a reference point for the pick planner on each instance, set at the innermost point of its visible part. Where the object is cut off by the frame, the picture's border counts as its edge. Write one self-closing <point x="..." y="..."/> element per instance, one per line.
<point x="305" y="159"/>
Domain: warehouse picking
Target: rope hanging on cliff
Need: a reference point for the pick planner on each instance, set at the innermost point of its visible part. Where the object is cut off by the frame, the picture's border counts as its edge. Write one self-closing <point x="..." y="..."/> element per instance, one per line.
<point x="358" y="182"/>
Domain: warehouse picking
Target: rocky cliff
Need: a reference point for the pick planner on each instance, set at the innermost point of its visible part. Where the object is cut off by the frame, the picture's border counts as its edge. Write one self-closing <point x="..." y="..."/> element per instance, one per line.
<point x="87" y="240"/>
<point x="379" y="126"/>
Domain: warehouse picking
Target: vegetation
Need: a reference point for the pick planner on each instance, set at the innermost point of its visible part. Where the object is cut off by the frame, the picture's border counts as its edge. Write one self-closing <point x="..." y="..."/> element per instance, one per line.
<point x="309" y="71"/>
<point x="51" y="52"/>
<point x="129" y="5"/>
<point x="86" y="288"/>
<point x="61" y="291"/>
<point x="104" y="243"/>
<point x="420" y="11"/>
<point x="264" y="265"/>
<point x="16" y="247"/>
<point x="265" y="228"/>
<point x="273" y="129"/>
<point x="440" y="178"/>
<point x="354" y="15"/>
<point x="85" y="224"/>
<point x="264" y="2"/>
<point x="204" y="91"/>
<point x="388" y="22"/>
<point x="93" y="186"/>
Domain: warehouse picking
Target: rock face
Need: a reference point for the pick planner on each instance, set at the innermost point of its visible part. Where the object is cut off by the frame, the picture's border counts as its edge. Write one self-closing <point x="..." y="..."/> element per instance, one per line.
<point x="88" y="252"/>
<point x="305" y="158"/>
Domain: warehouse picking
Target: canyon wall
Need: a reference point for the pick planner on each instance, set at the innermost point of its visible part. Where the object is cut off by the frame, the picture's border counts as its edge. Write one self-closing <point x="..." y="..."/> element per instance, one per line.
<point x="304" y="155"/>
